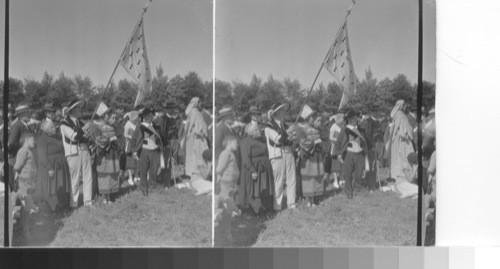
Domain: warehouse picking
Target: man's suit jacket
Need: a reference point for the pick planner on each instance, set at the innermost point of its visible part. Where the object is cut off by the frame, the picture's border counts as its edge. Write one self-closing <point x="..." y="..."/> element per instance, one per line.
<point x="17" y="129"/>
<point x="139" y="136"/>
<point x="345" y="136"/>
<point x="221" y="131"/>
<point x="167" y="129"/>
<point x="370" y="129"/>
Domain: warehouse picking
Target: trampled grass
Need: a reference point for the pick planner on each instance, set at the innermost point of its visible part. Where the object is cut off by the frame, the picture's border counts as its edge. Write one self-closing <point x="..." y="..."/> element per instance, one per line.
<point x="173" y="218"/>
<point x="369" y="219"/>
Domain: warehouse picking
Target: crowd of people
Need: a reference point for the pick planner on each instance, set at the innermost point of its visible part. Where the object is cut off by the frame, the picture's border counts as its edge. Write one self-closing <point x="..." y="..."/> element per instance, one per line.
<point x="54" y="151"/>
<point x="262" y="157"/>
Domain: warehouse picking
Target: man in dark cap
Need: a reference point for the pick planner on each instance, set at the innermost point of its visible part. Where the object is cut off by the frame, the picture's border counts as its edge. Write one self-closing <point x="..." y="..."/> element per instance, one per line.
<point x="147" y="147"/>
<point x="167" y="129"/>
<point x="49" y="110"/>
<point x="351" y="148"/>
<point x="370" y="128"/>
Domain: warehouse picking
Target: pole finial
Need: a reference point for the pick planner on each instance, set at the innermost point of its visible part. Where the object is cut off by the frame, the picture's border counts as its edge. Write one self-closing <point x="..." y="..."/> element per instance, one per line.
<point x="145" y="8"/>
<point x="350" y="7"/>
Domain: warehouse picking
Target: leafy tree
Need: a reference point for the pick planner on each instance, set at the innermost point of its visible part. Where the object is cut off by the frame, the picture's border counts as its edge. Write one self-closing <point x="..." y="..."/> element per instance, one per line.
<point x="16" y="92"/>
<point x="371" y="96"/>
<point x="63" y="89"/>
<point x="192" y="86"/>
<point x="270" y="93"/>
<point x="160" y="86"/>
<point x="401" y="88"/>
<point x="125" y="95"/>
<point x="294" y="94"/>
<point x="429" y="94"/>
<point x="36" y="92"/>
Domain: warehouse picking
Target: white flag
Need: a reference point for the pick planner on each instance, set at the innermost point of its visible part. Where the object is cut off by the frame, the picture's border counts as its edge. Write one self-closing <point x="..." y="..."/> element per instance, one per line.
<point x="135" y="61"/>
<point x="101" y="109"/>
<point x="306" y="111"/>
<point x="339" y="63"/>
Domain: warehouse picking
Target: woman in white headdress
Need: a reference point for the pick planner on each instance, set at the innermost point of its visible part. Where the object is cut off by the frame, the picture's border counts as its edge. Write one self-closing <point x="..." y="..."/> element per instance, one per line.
<point x="401" y="136"/>
<point x="195" y="137"/>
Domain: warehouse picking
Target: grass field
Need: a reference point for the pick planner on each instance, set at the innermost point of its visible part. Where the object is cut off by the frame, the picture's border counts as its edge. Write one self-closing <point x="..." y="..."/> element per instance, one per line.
<point x="175" y="218"/>
<point x="369" y="219"/>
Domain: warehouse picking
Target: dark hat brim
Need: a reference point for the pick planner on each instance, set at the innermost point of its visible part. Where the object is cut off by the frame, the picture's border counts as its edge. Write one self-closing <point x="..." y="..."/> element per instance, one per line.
<point x="147" y="111"/>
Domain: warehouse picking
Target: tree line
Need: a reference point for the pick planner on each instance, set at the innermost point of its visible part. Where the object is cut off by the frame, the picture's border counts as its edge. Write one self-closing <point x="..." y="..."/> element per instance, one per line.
<point x="63" y="89"/>
<point x="372" y="95"/>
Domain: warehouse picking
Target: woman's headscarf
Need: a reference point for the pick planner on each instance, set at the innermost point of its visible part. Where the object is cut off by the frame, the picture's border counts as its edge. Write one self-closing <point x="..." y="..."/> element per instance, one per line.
<point x="194" y="103"/>
<point x="397" y="107"/>
<point x="133" y="115"/>
<point x="252" y="128"/>
<point x="339" y="118"/>
<point x="47" y="126"/>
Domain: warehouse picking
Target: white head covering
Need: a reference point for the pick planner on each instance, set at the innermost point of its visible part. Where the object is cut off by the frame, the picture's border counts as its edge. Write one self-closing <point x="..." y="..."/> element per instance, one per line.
<point x="397" y="107"/>
<point x="64" y="111"/>
<point x="132" y="115"/>
<point x="339" y="118"/>
<point x="46" y="126"/>
<point x="192" y="104"/>
<point x="251" y="127"/>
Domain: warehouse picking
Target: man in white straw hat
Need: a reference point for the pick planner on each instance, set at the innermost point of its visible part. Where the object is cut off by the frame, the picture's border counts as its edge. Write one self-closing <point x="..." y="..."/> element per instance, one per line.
<point x="76" y="150"/>
<point x="18" y="128"/>
<point x="281" y="155"/>
<point x="223" y="129"/>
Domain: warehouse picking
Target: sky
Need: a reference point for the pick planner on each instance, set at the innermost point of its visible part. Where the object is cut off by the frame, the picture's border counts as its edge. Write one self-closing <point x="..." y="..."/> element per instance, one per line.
<point x="290" y="38"/>
<point x="87" y="37"/>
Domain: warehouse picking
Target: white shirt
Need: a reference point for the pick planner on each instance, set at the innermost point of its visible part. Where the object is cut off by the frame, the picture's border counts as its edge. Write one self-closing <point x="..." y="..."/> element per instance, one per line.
<point x="334" y="132"/>
<point x="150" y="139"/>
<point x="274" y="136"/>
<point x="66" y="131"/>
<point x="355" y="144"/>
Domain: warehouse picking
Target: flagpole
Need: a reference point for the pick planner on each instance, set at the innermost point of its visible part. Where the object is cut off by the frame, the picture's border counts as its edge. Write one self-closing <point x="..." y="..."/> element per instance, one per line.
<point x="323" y="62"/>
<point x="310" y="90"/>
<point x="144" y="9"/>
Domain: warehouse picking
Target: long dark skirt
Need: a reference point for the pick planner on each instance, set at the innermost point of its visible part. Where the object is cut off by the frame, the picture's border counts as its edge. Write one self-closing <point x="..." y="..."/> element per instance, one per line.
<point x="108" y="169"/>
<point x="257" y="193"/>
<point x="54" y="190"/>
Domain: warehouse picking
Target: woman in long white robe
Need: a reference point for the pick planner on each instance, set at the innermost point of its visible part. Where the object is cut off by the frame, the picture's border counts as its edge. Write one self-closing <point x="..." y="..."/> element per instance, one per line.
<point x="400" y="145"/>
<point x="195" y="137"/>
